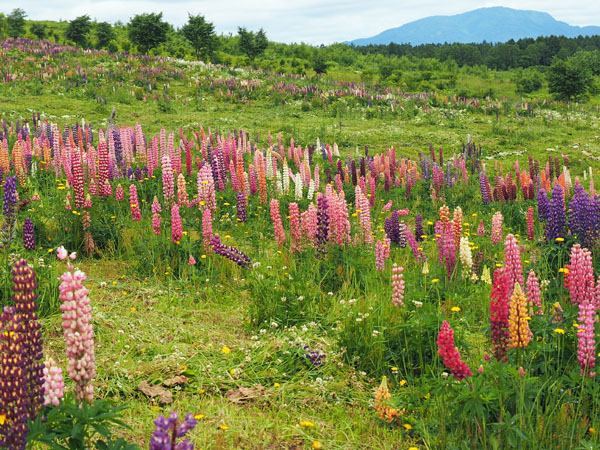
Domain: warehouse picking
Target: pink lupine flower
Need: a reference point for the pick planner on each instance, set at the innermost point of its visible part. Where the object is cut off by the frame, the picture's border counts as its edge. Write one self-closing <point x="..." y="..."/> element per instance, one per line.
<point x="363" y="210"/>
<point x="450" y="354"/>
<point x="182" y="196"/>
<point x="191" y="261"/>
<point x="176" y="226"/>
<point x="78" y="332"/>
<point x="78" y="185"/>
<point x="379" y="256"/>
<point x="156" y="219"/>
<point x="73" y="256"/>
<point x="530" y="230"/>
<point x="586" y="342"/>
<point x="397" y="285"/>
<point x="61" y="253"/>
<point x="167" y="178"/>
<point x="119" y="193"/>
<point x="134" y="204"/>
<point x="387" y="206"/>
<point x="512" y="262"/>
<point x="581" y="275"/>
<point x="309" y="221"/>
<point x="295" y="228"/>
<point x="277" y="223"/>
<point x="533" y="291"/>
<point x="53" y="383"/>
<point x="499" y="309"/>
<point x="496" y="235"/>
<point x="481" y="229"/>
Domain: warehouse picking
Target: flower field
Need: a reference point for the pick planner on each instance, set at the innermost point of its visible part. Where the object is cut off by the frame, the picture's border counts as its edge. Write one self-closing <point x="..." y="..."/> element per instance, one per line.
<point x="244" y="259"/>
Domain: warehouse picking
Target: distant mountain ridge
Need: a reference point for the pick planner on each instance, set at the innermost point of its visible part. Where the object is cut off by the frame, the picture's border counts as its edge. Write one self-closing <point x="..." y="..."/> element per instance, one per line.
<point x="494" y="24"/>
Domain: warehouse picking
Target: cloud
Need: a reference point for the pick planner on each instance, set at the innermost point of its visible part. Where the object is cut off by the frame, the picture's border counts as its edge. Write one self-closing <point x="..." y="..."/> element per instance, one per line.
<point x="310" y="21"/>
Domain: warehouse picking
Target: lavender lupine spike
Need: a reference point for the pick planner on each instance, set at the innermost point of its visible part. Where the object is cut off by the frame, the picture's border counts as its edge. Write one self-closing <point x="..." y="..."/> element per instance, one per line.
<point x="232" y="253"/>
<point x="543" y="205"/>
<point x="484" y="185"/>
<point x="419" y="228"/>
<point x="241" y="207"/>
<point x="322" y="225"/>
<point x="169" y="429"/>
<point x="9" y="210"/>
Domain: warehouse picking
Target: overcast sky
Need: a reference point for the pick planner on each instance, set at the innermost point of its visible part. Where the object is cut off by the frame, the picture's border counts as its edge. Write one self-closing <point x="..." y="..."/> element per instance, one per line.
<point x="310" y="21"/>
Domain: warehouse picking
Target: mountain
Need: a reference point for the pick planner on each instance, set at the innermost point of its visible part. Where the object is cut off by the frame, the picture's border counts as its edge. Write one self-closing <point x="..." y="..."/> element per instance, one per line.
<point x="495" y="24"/>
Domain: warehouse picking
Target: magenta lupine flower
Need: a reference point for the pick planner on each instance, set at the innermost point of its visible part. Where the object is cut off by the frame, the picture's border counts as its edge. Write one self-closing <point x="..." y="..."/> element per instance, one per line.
<point x="512" y="262"/>
<point x="277" y="223"/>
<point x="295" y="228"/>
<point x="397" y="285"/>
<point x="496" y="235"/>
<point x="414" y="245"/>
<point x="481" y="229"/>
<point x="379" y="256"/>
<point x="176" y="226"/>
<point x="136" y="214"/>
<point x="78" y="185"/>
<point x="103" y="169"/>
<point x="206" y="227"/>
<point x="54" y="385"/>
<point x="581" y="275"/>
<point x="499" y="309"/>
<point x="533" y="291"/>
<point x="78" y="332"/>
<point x="167" y="179"/>
<point x="119" y="193"/>
<point x="450" y="354"/>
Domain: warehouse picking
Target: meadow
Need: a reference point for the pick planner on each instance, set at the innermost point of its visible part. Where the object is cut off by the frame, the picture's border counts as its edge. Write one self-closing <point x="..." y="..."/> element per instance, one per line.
<point x="292" y="261"/>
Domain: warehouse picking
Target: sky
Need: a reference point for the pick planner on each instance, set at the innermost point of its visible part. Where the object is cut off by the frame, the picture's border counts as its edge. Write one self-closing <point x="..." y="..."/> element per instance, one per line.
<point x="310" y="21"/>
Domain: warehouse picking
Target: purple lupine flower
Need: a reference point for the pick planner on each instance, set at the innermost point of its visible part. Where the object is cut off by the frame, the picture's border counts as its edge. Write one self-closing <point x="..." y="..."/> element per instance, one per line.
<point x="395" y="229"/>
<point x="322" y="225"/>
<point x="9" y="210"/>
<point x="419" y="228"/>
<point x="232" y="253"/>
<point x="556" y="215"/>
<point x="241" y="207"/>
<point x="28" y="237"/>
<point x="543" y="205"/>
<point x="484" y="185"/>
<point x="584" y="217"/>
<point x="169" y="429"/>
<point x="13" y="381"/>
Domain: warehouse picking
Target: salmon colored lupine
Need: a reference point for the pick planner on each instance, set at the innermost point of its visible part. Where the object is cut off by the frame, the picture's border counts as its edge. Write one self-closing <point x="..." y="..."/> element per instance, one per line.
<point x="481" y="229"/>
<point x="586" y="342"/>
<point x="182" y="195"/>
<point x="518" y="320"/>
<point x="295" y="228"/>
<point x="207" y="231"/>
<point x="382" y="397"/>
<point x="457" y="226"/>
<point x="450" y="354"/>
<point x="309" y="223"/>
<point x="156" y="219"/>
<point x="176" y="225"/>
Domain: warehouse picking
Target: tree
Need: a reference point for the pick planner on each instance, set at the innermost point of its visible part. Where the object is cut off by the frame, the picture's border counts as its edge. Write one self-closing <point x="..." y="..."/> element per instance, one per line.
<point x="104" y="34"/>
<point x="570" y="78"/>
<point x="78" y="30"/>
<point x="252" y="44"/>
<point x="15" y="22"/>
<point x="201" y="35"/>
<point x="319" y="63"/>
<point x="148" y="31"/>
<point x="38" y="30"/>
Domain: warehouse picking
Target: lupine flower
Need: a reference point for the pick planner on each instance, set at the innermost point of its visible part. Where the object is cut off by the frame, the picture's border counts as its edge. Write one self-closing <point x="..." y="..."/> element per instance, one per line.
<point x="397" y="285"/>
<point x="512" y="262"/>
<point x="322" y="225"/>
<point x="241" y="207"/>
<point x="167" y="178"/>
<point x="62" y="253"/>
<point x="206" y="227"/>
<point x="499" y="309"/>
<point x="277" y="223"/>
<point x="556" y="214"/>
<point x="484" y="184"/>
<point x="496" y="235"/>
<point x="77" y="180"/>
<point x="182" y="196"/>
<point x="530" y="231"/>
<point x="543" y="205"/>
<point x="465" y="255"/>
<point x="382" y="397"/>
<point x="379" y="256"/>
<point x="586" y="342"/>
<point x="518" y="320"/>
<point x="169" y="429"/>
<point x="13" y="381"/>
<point x="533" y="291"/>
<point x="119" y="193"/>
<point x="419" y="228"/>
<point x="79" y="334"/>
<point x="450" y="354"/>
<point x="481" y="229"/>
<point x="316" y="357"/>
<point x="28" y="237"/>
<point x="232" y="253"/>
<point x="176" y="226"/>
<point x="295" y="229"/>
<point x="581" y="275"/>
<point x="9" y="210"/>
<point x="136" y="214"/>
<point x="53" y="383"/>
<point x="25" y="296"/>
<point x="156" y="219"/>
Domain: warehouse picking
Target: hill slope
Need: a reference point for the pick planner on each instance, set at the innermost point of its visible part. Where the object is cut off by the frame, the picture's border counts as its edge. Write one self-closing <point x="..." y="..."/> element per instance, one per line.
<point x="495" y="24"/>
